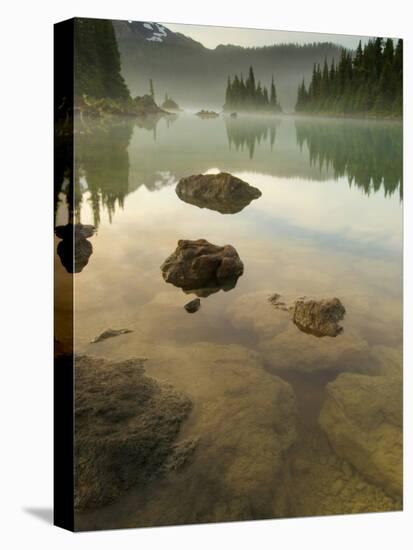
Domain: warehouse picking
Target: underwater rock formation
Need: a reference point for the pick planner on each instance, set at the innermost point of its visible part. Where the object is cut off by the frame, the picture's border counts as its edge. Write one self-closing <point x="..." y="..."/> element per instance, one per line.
<point x="362" y="417"/>
<point x="202" y="268"/>
<point x="286" y="348"/>
<point x="221" y="192"/>
<point x="126" y="429"/>
<point x="316" y="317"/>
<point x="319" y="317"/>
<point x="110" y="333"/>
<point x="276" y="301"/>
<point x="246" y="418"/>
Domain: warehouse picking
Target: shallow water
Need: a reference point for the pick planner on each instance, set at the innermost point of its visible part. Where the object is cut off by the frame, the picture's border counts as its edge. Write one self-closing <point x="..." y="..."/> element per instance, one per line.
<point x="328" y="223"/>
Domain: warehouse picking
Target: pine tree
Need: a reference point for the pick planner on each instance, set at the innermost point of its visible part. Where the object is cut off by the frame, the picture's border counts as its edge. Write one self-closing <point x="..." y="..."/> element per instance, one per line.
<point x="251" y="83"/>
<point x="370" y="80"/>
<point x="273" y="96"/>
<point x="151" y="89"/>
<point x="245" y="95"/>
<point x="97" y="60"/>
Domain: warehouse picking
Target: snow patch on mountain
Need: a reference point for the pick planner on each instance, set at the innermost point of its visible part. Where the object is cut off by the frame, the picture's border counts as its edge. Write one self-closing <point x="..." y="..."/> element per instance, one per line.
<point x="158" y="32"/>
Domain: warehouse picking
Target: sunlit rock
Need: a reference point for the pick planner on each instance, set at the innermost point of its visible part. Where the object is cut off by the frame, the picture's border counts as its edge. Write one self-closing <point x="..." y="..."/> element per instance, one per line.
<point x="202" y="268"/>
<point x="362" y="416"/>
<point x="221" y="192"/>
<point x="319" y="317"/>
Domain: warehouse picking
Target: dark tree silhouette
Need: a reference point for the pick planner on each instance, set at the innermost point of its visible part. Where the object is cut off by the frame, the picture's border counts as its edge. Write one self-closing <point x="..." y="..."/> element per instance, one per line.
<point x="248" y="95"/>
<point x="368" y="81"/>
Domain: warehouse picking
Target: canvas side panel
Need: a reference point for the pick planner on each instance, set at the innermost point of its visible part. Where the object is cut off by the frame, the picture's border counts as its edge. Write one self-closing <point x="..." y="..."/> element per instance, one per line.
<point x="63" y="276"/>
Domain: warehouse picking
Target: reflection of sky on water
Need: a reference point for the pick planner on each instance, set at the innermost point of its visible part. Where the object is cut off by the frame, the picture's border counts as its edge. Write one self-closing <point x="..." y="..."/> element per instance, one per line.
<point x="309" y="232"/>
<point x="328" y="213"/>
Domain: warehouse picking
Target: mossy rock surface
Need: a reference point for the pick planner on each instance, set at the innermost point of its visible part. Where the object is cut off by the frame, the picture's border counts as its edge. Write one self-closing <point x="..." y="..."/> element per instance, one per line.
<point x="126" y="427"/>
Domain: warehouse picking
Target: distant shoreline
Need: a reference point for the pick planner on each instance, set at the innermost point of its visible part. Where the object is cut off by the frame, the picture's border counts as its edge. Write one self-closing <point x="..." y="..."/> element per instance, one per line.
<point x="349" y="116"/>
<point x="341" y="116"/>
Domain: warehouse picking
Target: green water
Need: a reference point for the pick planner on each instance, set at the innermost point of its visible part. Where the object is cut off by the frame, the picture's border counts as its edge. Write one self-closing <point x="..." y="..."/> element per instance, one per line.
<point x="328" y="223"/>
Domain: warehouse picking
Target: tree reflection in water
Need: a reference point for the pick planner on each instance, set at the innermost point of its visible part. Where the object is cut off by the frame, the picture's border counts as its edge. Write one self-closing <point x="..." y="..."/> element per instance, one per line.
<point x="368" y="153"/>
<point x="245" y="133"/>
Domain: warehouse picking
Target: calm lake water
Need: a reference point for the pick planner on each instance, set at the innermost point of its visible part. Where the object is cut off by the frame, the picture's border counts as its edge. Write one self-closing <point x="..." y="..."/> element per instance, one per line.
<point x="328" y="223"/>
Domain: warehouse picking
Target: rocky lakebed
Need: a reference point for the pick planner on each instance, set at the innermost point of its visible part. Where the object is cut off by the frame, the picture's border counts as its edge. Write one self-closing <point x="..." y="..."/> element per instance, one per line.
<point x="306" y="419"/>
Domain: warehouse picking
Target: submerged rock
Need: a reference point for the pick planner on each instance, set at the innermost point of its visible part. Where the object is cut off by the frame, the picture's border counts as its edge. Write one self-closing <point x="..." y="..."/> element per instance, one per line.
<point x="319" y="317"/>
<point x="316" y="317"/>
<point x="193" y="305"/>
<point x="286" y="348"/>
<point x="362" y="417"/>
<point x="276" y="301"/>
<point x="246" y="418"/>
<point x="202" y="268"/>
<point x="221" y="192"/>
<point x="74" y="250"/>
<point x="110" y="333"/>
<point x="126" y="429"/>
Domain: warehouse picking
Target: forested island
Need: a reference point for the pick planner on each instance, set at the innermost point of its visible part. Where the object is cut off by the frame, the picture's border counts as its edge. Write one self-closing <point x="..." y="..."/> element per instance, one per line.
<point x="367" y="82"/>
<point x="169" y="104"/>
<point x="248" y="95"/>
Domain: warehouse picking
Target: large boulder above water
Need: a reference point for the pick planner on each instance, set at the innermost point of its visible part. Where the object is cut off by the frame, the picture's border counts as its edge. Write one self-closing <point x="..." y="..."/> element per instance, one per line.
<point x="202" y="268"/>
<point x="221" y="192"/>
<point x="126" y="429"/>
<point x="362" y="417"/>
<point x="319" y="317"/>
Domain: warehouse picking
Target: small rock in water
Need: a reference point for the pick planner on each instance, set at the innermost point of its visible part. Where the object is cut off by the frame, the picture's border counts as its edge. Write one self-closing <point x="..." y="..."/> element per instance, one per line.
<point x="319" y="317"/>
<point x="193" y="305"/>
<point x="110" y="333"/>
<point x="275" y="300"/>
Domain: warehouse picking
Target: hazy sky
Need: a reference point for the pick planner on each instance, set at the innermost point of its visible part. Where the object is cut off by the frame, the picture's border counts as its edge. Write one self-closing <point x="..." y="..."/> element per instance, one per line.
<point x="212" y="36"/>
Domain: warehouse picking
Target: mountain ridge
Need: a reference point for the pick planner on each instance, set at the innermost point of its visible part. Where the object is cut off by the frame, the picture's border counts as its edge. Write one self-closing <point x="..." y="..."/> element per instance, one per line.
<point x="196" y="76"/>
